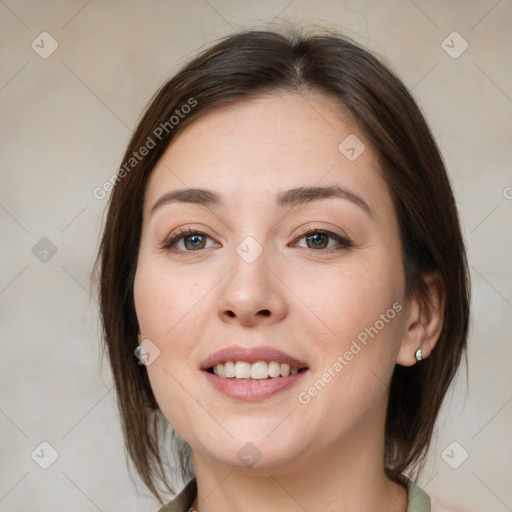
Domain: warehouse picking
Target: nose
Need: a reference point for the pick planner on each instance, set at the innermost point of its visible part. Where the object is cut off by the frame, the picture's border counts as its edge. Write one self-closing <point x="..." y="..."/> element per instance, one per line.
<point x="252" y="294"/>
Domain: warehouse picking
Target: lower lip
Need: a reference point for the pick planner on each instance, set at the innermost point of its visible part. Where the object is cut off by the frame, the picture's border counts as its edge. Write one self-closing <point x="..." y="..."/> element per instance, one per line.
<point x="254" y="389"/>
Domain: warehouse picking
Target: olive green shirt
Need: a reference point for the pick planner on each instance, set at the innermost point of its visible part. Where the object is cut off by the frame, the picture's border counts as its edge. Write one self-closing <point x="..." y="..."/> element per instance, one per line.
<point x="418" y="499"/>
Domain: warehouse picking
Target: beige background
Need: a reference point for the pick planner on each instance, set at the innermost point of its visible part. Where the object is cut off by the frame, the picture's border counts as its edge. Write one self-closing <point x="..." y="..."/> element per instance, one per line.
<point x="65" y="121"/>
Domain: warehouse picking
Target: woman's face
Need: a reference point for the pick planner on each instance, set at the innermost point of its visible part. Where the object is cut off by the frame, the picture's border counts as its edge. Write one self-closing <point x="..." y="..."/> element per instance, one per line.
<point x="296" y="267"/>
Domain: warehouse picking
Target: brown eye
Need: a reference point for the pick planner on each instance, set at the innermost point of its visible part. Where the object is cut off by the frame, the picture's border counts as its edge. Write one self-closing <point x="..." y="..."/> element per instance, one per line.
<point x="188" y="240"/>
<point x="325" y="241"/>
<point x="194" y="242"/>
<point x="317" y="241"/>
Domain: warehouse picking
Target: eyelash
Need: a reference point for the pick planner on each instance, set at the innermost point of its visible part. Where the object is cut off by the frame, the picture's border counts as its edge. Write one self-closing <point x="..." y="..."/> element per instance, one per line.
<point x="343" y="242"/>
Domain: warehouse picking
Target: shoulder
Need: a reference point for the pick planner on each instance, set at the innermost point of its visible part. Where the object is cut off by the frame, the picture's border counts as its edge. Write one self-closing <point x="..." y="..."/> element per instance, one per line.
<point x="419" y="500"/>
<point x="183" y="501"/>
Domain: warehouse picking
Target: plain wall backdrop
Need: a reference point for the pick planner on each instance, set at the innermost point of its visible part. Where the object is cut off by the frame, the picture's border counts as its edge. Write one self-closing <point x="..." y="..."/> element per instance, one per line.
<point x="75" y="77"/>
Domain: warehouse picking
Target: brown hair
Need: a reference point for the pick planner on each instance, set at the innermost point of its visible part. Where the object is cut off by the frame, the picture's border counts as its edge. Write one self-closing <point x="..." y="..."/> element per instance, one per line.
<point x="246" y="65"/>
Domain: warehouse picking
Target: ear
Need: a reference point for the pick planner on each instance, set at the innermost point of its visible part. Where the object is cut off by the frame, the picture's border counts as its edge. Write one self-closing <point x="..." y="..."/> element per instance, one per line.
<point x="424" y="321"/>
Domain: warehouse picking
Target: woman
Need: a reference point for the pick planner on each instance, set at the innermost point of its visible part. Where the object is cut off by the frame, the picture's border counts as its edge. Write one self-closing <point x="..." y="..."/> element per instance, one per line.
<point x="282" y="254"/>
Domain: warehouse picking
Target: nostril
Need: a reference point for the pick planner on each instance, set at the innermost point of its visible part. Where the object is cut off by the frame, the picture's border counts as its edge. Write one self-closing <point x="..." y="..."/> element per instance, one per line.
<point x="231" y="314"/>
<point x="265" y="312"/>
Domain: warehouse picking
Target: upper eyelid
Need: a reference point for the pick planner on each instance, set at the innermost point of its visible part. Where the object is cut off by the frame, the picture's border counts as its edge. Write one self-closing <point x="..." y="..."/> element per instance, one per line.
<point x="184" y="232"/>
<point x="181" y="233"/>
<point x="343" y="240"/>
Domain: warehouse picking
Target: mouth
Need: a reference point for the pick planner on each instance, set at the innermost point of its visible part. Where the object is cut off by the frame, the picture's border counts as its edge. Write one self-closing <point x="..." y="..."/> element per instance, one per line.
<point x="260" y="370"/>
<point x="252" y="374"/>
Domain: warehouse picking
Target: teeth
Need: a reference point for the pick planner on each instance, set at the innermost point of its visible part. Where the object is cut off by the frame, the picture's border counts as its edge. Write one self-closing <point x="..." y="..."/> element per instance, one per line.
<point x="229" y="370"/>
<point x="242" y="370"/>
<point x="258" y="371"/>
<point x="274" y="369"/>
<point x="220" y="370"/>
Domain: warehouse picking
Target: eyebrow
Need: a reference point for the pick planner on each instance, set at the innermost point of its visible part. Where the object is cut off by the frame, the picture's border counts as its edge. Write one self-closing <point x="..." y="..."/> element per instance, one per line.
<point x="289" y="198"/>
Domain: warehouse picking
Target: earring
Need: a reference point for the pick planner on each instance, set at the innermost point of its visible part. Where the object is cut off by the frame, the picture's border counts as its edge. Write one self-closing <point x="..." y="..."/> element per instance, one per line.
<point x="418" y="355"/>
<point x="141" y="357"/>
<point x="138" y="352"/>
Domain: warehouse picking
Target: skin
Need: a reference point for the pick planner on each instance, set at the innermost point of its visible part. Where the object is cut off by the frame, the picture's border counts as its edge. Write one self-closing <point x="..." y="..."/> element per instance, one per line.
<point x="308" y="302"/>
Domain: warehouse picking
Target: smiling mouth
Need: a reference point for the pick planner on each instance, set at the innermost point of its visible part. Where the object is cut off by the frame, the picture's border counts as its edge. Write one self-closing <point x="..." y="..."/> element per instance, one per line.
<point x="259" y="370"/>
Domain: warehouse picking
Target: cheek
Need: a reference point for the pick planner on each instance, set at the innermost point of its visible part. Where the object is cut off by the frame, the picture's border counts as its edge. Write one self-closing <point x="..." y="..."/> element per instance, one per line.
<point x="166" y="299"/>
<point x="358" y="324"/>
<point x="347" y="301"/>
<point x="173" y="314"/>
<point x="354" y="318"/>
<point x="170" y="313"/>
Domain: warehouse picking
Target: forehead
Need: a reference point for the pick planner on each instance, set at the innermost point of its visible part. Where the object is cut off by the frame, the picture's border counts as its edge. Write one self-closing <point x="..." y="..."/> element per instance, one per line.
<point x="253" y="148"/>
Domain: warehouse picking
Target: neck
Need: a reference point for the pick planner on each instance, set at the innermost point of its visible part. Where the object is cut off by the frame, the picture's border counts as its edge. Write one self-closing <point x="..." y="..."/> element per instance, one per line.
<point x="346" y="477"/>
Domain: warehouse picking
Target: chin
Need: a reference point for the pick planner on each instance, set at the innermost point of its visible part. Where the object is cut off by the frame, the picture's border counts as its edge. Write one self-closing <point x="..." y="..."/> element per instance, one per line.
<point x="258" y="452"/>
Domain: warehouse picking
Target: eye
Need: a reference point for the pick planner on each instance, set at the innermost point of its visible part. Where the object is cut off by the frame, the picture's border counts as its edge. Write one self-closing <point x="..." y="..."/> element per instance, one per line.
<point x="193" y="240"/>
<point x="187" y="240"/>
<point x="321" y="239"/>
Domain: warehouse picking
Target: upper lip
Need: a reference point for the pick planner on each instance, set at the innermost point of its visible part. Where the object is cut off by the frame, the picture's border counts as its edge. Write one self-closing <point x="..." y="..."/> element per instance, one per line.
<point x="251" y="355"/>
